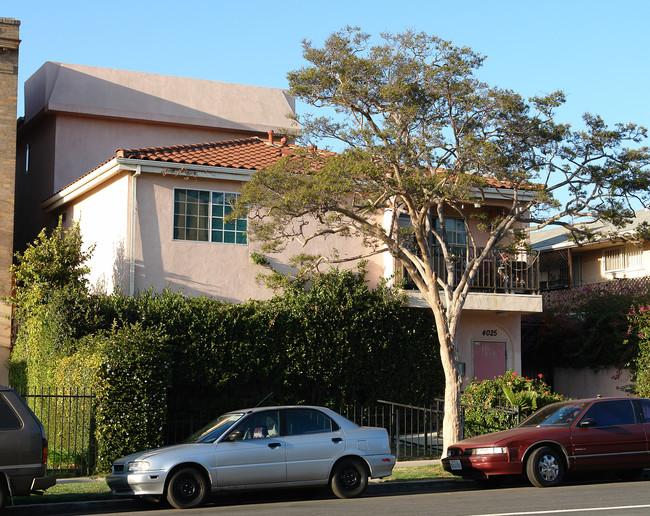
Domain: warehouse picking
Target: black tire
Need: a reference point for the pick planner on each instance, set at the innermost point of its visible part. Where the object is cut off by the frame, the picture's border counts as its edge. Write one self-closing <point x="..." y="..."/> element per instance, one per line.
<point x="349" y="479"/>
<point x="187" y="488"/>
<point x="545" y="467"/>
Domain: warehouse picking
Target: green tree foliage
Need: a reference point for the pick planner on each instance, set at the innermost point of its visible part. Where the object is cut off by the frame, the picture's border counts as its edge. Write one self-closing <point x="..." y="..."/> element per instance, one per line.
<point x="509" y="391"/>
<point x="50" y="309"/>
<point x="159" y="358"/>
<point x="424" y="137"/>
<point x="591" y="331"/>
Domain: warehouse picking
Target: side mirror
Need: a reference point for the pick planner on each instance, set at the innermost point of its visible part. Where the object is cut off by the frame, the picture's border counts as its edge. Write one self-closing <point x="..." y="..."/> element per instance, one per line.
<point x="234" y="436"/>
<point x="587" y="422"/>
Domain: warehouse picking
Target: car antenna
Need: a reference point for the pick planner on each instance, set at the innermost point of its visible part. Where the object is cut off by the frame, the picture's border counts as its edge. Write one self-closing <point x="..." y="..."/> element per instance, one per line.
<point x="267" y="397"/>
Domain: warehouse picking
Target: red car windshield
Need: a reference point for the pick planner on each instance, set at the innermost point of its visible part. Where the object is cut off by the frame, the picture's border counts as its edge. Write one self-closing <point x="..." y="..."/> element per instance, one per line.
<point x="557" y="414"/>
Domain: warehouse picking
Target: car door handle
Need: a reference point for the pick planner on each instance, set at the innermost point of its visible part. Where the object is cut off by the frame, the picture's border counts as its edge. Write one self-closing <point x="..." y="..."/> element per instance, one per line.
<point x="274" y="445"/>
<point x="336" y="440"/>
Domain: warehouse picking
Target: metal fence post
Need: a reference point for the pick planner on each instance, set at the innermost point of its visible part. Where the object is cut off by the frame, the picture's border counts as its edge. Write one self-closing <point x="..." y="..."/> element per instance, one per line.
<point x="397" y="434"/>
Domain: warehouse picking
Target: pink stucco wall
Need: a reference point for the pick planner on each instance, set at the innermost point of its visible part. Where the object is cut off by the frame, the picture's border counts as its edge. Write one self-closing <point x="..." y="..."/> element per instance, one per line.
<point x="223" y="271"/>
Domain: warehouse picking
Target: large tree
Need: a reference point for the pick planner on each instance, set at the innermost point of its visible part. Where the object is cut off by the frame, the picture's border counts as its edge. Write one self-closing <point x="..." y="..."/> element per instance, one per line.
<point x="422" y="136"/>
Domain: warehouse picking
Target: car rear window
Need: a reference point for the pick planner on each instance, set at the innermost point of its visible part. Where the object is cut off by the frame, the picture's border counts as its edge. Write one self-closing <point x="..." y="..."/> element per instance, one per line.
<point x="9" y="420"/>
<point x="308" y="421"/>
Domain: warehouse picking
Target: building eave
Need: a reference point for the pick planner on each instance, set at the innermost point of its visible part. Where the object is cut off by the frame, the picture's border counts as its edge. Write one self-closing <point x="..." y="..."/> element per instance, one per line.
<point x="116" y="166"/>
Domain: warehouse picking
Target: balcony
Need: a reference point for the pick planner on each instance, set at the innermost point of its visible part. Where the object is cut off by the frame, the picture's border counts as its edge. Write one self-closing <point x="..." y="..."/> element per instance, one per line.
<point x="503" y="272"/>
<point x="505" y="283"/>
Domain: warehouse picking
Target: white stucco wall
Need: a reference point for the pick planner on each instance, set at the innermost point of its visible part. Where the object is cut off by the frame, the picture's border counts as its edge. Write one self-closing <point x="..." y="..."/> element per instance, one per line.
<point x="103" y="219"/>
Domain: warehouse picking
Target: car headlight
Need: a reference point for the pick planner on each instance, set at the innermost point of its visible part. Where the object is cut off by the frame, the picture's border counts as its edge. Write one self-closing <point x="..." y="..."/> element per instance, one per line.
<point x="489" y="451"/>
<point x="138" y="465"/>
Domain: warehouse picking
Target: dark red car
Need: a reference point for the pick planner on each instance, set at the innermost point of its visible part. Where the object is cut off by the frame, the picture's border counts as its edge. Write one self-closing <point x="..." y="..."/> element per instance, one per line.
<point x="591" y="434"/>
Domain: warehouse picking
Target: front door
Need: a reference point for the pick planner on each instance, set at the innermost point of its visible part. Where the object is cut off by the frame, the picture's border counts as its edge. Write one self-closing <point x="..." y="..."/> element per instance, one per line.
<point x="489" y="360"/>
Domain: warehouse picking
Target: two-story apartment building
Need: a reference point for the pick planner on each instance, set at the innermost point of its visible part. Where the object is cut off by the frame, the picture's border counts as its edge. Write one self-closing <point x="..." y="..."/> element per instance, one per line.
<point x="155" y="208"/>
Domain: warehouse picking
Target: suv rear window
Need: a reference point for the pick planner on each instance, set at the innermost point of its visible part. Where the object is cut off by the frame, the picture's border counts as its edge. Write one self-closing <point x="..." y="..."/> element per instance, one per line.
<point x="9" y="420"/>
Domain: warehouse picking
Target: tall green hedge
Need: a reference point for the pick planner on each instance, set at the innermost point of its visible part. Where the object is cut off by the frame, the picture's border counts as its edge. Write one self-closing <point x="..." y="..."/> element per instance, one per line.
<point x="158" y="358"/>
<point x="132" y="390"/>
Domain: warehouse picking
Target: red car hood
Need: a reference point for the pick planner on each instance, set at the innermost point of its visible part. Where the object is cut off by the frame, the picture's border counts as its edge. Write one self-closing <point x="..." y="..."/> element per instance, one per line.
<point x="497" y="438"/>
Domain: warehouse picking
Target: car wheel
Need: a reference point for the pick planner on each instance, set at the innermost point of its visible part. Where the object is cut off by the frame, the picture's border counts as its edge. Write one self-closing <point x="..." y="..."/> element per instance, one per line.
<point x="545" y="467"/>
<point x="349" y="479"/>
<point x="187" y="488"/>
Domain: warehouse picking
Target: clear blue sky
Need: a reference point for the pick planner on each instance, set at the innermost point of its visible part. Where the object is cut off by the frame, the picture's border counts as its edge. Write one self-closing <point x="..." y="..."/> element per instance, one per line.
<point x="596" y="51"/>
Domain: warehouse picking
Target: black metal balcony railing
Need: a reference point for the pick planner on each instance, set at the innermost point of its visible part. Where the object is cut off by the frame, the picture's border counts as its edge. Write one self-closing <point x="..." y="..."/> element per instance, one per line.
<point x="501" y="272"/>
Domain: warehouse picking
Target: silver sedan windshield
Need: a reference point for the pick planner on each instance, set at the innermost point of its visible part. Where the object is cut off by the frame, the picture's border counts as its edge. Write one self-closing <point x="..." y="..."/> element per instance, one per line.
<point x="215" y="429"/>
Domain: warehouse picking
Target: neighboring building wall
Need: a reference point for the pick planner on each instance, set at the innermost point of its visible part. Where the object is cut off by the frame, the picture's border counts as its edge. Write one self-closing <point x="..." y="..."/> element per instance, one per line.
<point x="34" y="176"/>
<point x="591" y="267"/>
<point x="76" y="116"/>
<point x="9" y="43"/>
<point x="587" y="383"/>
<point x="93" y="139"/>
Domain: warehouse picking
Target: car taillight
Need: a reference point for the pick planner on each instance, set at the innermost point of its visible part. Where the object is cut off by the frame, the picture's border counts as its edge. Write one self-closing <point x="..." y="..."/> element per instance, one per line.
<point x="44" y="458"/>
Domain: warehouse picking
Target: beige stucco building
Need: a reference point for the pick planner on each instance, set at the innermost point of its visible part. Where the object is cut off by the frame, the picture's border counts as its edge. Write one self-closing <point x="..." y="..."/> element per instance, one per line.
<point x="614" y="255"/>
<point x="154" y="207"/>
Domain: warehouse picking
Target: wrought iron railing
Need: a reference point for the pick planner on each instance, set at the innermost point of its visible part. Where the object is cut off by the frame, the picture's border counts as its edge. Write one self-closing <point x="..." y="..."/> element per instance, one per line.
<point x="501" y="272"/>
<point x="67" y="416"/>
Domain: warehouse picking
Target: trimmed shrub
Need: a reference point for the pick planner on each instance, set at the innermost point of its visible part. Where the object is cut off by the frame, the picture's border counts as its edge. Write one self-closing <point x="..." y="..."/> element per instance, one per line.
<point x="162" y="358"/>
<point x="132" y="390"/>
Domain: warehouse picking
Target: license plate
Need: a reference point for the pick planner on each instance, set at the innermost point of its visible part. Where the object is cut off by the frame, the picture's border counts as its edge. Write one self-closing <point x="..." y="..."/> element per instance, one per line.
<point x="455" y="465"/>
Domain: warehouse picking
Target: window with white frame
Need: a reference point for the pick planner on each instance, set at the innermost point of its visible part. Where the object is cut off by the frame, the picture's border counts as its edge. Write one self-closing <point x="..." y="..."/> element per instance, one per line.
<point x="623" y="258"/>
<point x="200" y="215"/>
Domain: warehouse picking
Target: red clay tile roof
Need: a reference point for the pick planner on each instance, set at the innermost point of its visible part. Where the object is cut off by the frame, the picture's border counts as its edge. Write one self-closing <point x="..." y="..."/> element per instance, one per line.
<point x="246" y="153"/>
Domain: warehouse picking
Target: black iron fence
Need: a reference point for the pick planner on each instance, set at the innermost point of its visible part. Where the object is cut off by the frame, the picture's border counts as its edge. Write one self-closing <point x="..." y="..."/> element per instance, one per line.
<point x="67" y="416"/>
<point x="414" y="432"/>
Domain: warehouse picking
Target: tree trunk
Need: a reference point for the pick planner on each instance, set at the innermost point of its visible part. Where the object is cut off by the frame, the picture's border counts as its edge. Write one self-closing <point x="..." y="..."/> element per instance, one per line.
<point x="451" y="424"/>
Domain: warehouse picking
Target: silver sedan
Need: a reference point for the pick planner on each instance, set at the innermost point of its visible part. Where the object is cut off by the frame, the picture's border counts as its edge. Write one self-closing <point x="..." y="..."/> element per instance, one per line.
<point x="259" y="448"/>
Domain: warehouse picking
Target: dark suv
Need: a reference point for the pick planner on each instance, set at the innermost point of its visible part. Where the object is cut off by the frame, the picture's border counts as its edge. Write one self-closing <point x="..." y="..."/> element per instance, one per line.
<point x="23" y="448"/>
